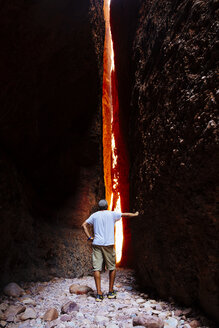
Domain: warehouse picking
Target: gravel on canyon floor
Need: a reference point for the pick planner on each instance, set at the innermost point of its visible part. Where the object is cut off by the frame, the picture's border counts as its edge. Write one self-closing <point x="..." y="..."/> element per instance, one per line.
<point x="66" y="303"/>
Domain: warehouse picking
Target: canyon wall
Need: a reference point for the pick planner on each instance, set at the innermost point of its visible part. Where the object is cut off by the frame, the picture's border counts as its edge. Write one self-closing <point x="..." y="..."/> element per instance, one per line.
<point x="165" y="56"/>
<point x="50" y="135"/>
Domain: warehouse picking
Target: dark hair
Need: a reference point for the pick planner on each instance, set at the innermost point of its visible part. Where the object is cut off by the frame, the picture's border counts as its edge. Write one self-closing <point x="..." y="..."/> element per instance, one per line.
<point x="103" y="205"/>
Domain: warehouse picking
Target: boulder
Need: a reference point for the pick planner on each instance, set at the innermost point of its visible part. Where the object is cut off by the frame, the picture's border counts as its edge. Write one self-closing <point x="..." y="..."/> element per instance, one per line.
<point x="50" y="315"/>
<point x="79" y="289"/>
<point x="69" y="307"/>
<point x="148" y="321"/>
<point x="13" y="290"/>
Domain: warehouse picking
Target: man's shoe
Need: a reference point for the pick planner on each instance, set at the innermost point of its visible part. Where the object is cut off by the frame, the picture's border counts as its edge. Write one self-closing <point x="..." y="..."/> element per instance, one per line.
<point x="111" y="295"/>
<point x="99" y="298"/>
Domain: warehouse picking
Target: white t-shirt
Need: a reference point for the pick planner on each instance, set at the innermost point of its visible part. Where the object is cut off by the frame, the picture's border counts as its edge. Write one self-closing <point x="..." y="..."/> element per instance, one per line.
<point x="103" y="223"/>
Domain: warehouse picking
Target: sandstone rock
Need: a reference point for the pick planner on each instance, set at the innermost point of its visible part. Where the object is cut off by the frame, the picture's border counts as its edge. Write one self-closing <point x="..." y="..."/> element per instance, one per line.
<point x="195" y="323"/>
<point x="170" y="323"/>
<point x="65" y="318"/>
<point x="79" y="289"/>
<point x="69" y="307"/>
<point x="12" y="311"/>
<point x="148" y="321"/>
<point x="13" y="290"/>
<point x="147" y="85"/>
<point x="51" y="315"/>
<point x="29" y="313"/>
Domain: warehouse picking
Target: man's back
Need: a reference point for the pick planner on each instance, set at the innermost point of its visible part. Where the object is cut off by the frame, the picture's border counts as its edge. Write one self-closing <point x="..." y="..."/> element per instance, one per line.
<point x="103" y="223"/>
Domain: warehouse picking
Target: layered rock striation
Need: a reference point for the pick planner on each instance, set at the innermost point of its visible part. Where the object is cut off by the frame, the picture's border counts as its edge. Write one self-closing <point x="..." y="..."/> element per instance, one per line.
<point x="50" y="134"/>
<point x="168" y="51"/>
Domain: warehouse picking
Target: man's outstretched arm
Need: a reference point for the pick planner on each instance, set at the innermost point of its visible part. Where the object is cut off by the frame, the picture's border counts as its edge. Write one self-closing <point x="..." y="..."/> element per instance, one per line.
<point x="129" y="215"/>
<point x="84" y="226"/>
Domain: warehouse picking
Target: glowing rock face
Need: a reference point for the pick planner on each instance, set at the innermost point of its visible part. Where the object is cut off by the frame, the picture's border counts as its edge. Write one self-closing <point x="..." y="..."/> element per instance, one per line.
<point x="110" y="112"/>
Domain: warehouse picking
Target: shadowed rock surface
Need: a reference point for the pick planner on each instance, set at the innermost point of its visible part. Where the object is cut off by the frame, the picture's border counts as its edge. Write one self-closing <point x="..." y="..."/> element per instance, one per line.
<point x="50" y="134"/>
<point x="168" y="50"/>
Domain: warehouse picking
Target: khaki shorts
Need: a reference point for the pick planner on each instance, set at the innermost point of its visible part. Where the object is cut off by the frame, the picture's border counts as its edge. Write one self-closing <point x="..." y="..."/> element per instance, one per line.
<point x="101" y="253"/>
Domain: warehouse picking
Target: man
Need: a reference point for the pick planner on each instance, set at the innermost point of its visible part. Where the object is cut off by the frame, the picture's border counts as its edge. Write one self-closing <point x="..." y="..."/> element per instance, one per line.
<point x="103" y="222"/>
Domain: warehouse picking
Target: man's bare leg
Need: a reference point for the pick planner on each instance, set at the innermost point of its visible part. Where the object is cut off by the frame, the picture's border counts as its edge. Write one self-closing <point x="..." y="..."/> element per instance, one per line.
<point x="97" y="279"/>
<point x="112" y="275"/>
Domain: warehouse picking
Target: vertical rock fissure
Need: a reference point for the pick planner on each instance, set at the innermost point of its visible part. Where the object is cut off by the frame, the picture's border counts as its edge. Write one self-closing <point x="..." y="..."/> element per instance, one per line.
<point x="112" y="138"/>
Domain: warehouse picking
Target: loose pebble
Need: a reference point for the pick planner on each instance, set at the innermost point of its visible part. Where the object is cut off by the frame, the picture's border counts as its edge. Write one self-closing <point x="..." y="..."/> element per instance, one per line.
<point x="27" y="301"/>
<point x="148" y="321"/>
<point x="12" y="311"/>
<point x="79" y="289"/>
<point x="51" y="315"/>
<point x="69" y="307"/>
<point x="29" y="313"/>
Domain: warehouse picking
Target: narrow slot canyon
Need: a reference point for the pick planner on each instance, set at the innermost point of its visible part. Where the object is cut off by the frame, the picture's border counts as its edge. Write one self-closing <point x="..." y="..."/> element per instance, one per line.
<point x="114" y="99"/>
<point x="115" y="157"/>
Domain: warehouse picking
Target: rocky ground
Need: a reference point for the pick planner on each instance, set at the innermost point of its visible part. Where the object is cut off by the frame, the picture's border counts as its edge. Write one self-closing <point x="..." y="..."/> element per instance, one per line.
<point x="66" y="303"/>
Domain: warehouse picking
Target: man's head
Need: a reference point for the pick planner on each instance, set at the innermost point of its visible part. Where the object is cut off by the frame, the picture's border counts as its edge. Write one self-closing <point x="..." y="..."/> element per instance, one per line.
<point x="103" y="205"/>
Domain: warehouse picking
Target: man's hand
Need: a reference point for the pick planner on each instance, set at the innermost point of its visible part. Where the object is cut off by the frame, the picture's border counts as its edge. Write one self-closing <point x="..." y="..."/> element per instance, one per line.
<point x="136" y="213"/>
<point x="129" y="215"/>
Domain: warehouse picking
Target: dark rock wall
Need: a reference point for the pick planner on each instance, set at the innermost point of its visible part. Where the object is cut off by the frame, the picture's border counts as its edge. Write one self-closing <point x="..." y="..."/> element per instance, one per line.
<point x="169" y="50"/>
<point x="50" y="134"/>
